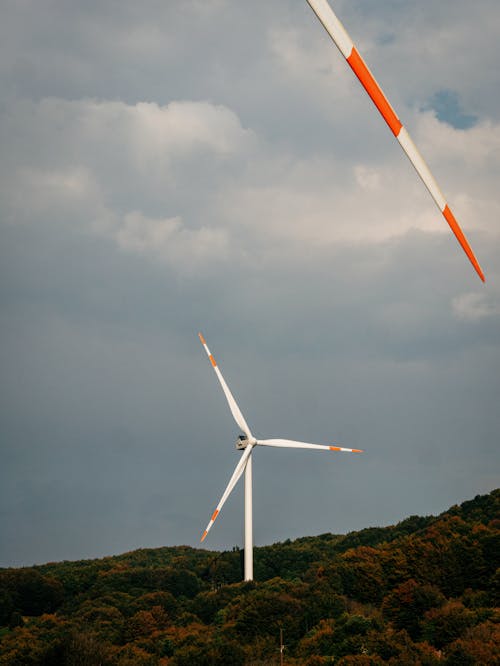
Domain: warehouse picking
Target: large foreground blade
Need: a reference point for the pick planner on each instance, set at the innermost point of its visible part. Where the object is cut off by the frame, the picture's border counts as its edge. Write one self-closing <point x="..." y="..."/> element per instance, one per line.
<point x="345" y="45"/>
<point x="232" y="482"/>
<point x="291" y="444"/>
<point x="235" y="410"/>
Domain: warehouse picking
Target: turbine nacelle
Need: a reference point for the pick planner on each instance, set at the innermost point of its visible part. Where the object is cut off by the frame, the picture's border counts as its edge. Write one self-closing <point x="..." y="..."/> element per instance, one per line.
<point x="242" y="442"/>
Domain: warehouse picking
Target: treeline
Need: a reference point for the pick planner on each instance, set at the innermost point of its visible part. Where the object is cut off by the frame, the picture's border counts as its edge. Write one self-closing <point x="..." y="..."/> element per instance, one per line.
<point x="422" y="592"/>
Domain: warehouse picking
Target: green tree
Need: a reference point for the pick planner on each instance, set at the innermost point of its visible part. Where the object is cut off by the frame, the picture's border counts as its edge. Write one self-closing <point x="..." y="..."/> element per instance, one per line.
<point x="406" y="604"/>
<point x="443" y="625"/>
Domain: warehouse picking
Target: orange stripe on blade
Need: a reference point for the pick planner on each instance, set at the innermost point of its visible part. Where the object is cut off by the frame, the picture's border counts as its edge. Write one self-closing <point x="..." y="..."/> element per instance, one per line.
<point x="204" y="535"/>
<point x="202" y="339"/>
<point x="212" y="360"/>
<point x="359" y="67"/>
<point x="214" y="516"/>
<point x="450" y="218"/>
<point x="335" y="448"/>
<point x="357" y="450"/>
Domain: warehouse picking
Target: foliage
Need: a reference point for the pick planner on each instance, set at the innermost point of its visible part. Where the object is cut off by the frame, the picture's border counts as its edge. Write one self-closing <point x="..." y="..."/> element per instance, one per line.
<point x="422" y="592"/>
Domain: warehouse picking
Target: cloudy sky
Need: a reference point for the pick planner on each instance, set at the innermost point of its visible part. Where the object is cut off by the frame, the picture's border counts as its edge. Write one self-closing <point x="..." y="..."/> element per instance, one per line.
<point x="174" y="166"/>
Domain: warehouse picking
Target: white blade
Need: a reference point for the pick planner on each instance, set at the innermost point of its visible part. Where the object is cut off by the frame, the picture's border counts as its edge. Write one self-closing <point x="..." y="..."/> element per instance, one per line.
<point x="346" y="46"/>
<point x="291" y="444"/>
<point x="232" y="482"/>
<point x="235" y="410"/>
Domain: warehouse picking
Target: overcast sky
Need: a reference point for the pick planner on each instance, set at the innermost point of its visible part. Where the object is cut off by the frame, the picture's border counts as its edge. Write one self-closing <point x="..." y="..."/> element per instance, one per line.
<point x="173" y="166"/>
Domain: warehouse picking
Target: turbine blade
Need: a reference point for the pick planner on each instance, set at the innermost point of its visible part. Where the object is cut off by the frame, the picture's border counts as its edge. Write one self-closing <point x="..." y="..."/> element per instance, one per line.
<point x="346" y="46"/>
<point x="292" y="444"/>
<point x="232" y="482"/>
<point x="235" y="410"/>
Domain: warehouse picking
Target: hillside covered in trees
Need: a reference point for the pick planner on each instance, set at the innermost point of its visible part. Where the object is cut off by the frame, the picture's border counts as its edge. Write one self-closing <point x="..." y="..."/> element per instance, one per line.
<point x="424" y="591"/>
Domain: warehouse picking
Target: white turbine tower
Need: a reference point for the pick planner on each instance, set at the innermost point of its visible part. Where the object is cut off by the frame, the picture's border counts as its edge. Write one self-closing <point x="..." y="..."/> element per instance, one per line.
<point x="246" y="443"/>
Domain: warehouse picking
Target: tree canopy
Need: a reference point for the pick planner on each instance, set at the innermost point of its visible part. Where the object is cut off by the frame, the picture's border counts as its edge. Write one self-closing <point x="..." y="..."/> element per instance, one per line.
<point x="422" y="592"/>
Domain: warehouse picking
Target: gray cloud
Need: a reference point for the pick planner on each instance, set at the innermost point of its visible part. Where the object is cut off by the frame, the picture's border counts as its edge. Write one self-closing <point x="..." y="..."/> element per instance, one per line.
<point x="213" y="166"/>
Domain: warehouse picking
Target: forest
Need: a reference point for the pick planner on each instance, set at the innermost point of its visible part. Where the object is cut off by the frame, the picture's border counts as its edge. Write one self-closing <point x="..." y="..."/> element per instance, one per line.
<point x="422" y="592"/>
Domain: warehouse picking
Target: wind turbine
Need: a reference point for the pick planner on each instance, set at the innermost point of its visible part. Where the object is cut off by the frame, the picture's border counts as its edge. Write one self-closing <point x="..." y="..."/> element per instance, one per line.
<point x="346" y="46"/>
<point x="247" y="443"/>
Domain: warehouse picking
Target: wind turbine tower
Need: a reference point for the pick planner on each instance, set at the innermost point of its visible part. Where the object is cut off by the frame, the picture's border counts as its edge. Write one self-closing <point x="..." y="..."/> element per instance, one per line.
<point x="246" y="443"/>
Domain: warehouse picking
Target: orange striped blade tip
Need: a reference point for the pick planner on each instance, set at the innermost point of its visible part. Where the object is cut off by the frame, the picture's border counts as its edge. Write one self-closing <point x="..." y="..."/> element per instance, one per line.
<point x="339" y="448"/>
<point x="368" y="82"/>
<point x="202" y="339"/>
<point x="460" y="236"/>
<point x="203" y="537"/>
